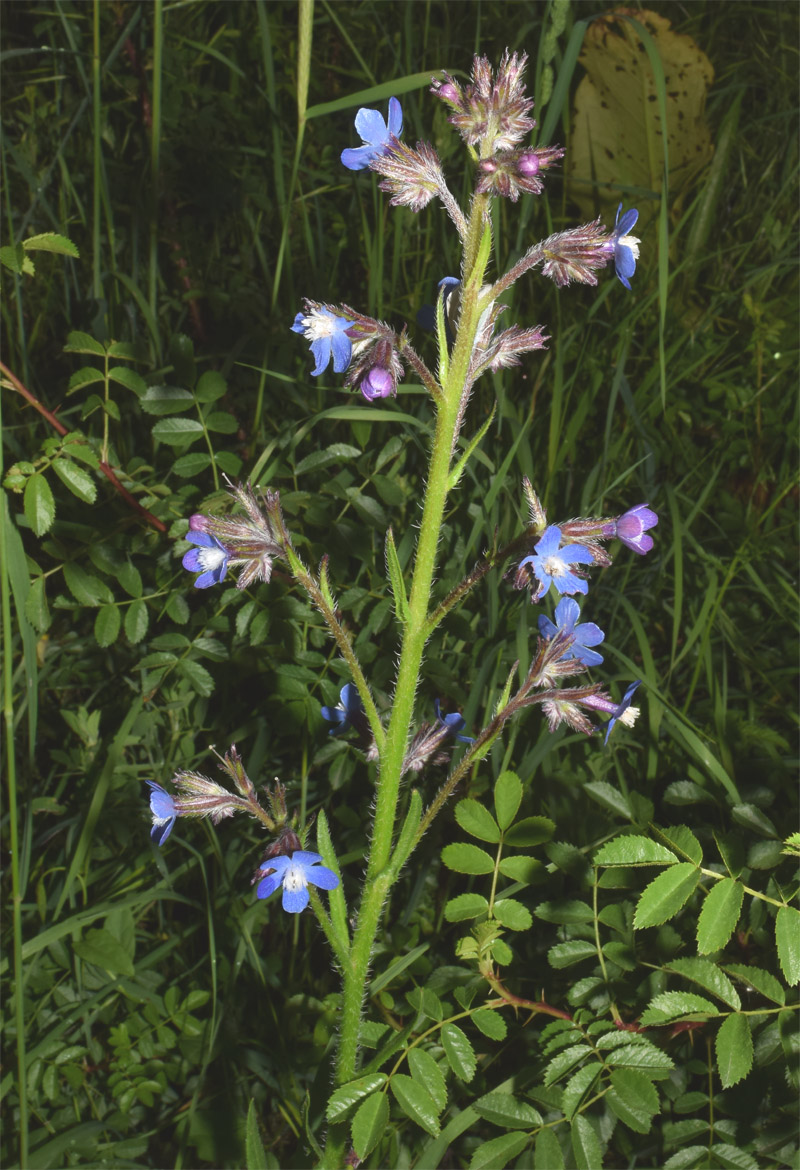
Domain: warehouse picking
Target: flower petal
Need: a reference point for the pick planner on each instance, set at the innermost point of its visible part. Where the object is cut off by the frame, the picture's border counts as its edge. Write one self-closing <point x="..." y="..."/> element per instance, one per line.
<point x="395" y="124"/>
<point x="371" y="125"/>
<point x="320" y="875"/>
<point x="294" y="901"/>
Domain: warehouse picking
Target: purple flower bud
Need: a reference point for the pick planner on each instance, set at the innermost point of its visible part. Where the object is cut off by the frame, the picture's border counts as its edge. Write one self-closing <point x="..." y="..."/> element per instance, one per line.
<point x="632" y="526"/>
<point x="528" y="164"/>
<point x="378" y="383"/>
<point x="448" y="93"/>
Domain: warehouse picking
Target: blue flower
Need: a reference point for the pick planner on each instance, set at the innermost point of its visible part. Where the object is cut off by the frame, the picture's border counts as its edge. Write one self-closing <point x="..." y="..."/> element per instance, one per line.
<point x="632" y="526"/>
<point x="454" y="723"/>
<point x="623" y="707"/>
<point x="162" y="806"/>
<point x="327" y="335"/>
<point x="343" y="716"/>
<point x="585" y="635"/>
<point x="210" y="560"/>
<point x="426" y="317"/>
<point x="294" y="873"/>
<point x="626" y="247"/>
<point x="551" y="564"/>
<point x="375" y="135"/>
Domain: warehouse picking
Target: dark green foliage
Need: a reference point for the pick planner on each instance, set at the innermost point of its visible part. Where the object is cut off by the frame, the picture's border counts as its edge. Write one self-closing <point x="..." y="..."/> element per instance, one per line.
<point x="169" y="1018"/>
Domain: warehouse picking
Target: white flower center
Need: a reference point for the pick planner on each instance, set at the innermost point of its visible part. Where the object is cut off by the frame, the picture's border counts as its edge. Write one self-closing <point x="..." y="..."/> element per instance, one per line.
<point x="317" y="326"/>
<point x="294" y="878"/>
<point x="631" y="242"/>
<point x="554" y="566"/>
<point x="211" y="558"/>
<point x="630" y="716"/>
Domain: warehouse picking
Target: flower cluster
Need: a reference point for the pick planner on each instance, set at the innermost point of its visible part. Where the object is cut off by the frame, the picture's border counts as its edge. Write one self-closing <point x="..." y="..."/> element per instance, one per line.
<point x="560" y="557"/>
<point x="364" y="347"/>
<point x="576" y="254"/>
<point x="491" y="111"/>
<point x="252" y="542"/>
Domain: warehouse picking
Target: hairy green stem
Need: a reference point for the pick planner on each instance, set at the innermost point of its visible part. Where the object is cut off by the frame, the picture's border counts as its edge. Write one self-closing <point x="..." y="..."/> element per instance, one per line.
<point x="415" y="634"/>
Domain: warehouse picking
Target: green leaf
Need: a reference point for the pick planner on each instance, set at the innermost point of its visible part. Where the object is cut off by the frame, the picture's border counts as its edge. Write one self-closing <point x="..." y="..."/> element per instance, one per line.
<point x="665" y="895"/>
<point x="490" y="1022"/>
<point x="643" y="1056"/>
<point x="336" y="453"/>
<point x="200" y="679"/>
<point x="567" y="953"/>
<point x="683" y="841"/>
<point x="564" y="912"/>
<point x="416" y="1103"/>
<point x="51" y="242"/>
<point x="464" y="858"/>
<point x="585" y="1144"/>
<point x="426" y="1071"/>
<point x="759" y="980"/>
<point x="530" y="831"/>
<point x="522" y="869"/>
<point x="458" y="470"/>
<point x="459" y="1052"/>
<point x="709" y="976"/>
<point x="512" y="914"/>
<point x="40" y="507"/>
<point x="14" y="258"/>
<point x="754" y="819"/>
<point x="733" y="1158"/>
<point x="160" y="400"/>
<point x="633" y="1099"/>
<point x="85" y="587"/>
<point x="477" y="821"/>
<point x="103" y="949"/>
<point x="787" y="940"/>
<point x="222" y="423"/>
<point x="85" y="376"/>
<point x="565" y="1061"/>
<point x="734" y="1046"/>
<point x="547" y="1152"/>
<point x="719" y="915"/>
<point x="107" y="624"/>
<point x="129" y="578"/>
<point x="343" y="1098"/>
<point x="37" y="610"/>
<point x="83" y="343"/>
<point x="129" y="379"/>
<point x="255" y="1157"/>
<point x="396" y="577"/>
<point x="507" y="798"/>
<point x="609" y="797"/>
<point x="465" y="906"/>
<point x="79" y="482"/>
<point x="634" y="850"/>
<point x="578" y="1087"/>
<point x="504" y="1109"/>
<point x="136" y="621"/>
<point x="192" y="464"/>
<point x="674" y="1005"/>
<point x="177" y="432"/>
<point x="369" y="1123"/>
<point x="498" y="1152"/>
<point x="336" y="898"/>
<point x="211" y="387"/>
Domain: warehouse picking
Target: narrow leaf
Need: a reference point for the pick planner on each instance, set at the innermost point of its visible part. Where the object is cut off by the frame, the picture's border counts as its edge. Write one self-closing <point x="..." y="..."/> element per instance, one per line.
<point x="734" y="1047"/>
<point x="498" y="1152"/>
<point x="674" y="1005"/>
<point x="107" y="624"/>
<point x="427" y="1073"/>
<point x="396" y="578"/>
<point x="504" y="1109"/>
<point x="255" y="1155"/>
<point x="585" y="1144"/>
<point x="350" y="1094"/>
<point x="369" y="1123"/>
<point x="633" y="1099"/>
<point x="547" y="1152"/>
<point x="634" y="850"/>
<point x="719" y="915"/>
<point x="79" y="482"/>
<point x="665" y="895"/>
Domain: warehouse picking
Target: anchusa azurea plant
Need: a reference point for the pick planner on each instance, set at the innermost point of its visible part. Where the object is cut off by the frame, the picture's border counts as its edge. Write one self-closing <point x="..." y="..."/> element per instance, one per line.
<point x="404" y="738"/>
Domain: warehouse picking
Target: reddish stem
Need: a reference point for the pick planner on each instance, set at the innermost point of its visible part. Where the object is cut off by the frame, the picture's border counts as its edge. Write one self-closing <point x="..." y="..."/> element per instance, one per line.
<point x="107" y="471"/>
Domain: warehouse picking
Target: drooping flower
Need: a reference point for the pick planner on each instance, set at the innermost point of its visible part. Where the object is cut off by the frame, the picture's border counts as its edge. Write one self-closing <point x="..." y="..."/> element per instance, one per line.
<point x="632" y="527"/>
<point x="623" y="707"/>
<point x="375" y="133"/>
<point x="345" y="715"/>
<point x="294" y="874"/>
<point x="162" y="806"/>
<point x="210" y="560"/>
<point x="454" y="723"/>
<point x="552" y="565"/>
<point x="585" y="634"/>
<point x="327" y="334"/>
<point x="624" y="246"/>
